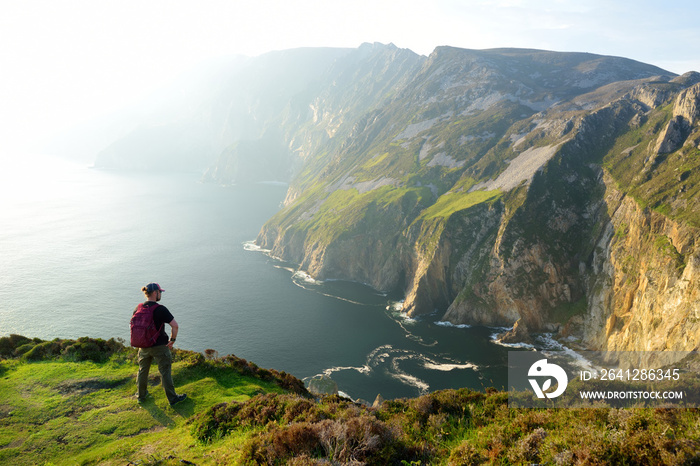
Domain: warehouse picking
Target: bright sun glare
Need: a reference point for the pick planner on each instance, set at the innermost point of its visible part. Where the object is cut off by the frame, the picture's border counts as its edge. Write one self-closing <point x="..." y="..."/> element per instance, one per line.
<point x="67" y="62"/>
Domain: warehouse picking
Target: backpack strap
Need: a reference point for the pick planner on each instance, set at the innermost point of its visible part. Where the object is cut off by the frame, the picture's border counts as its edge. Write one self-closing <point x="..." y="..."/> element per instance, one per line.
<point x="162" y="324"/>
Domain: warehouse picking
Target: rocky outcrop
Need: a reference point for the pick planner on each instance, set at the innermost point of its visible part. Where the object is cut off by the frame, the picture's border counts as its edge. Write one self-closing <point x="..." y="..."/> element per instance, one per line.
<point x="686" y="112"/>
<point x="644" y="290"/>
<point x="518" y="334"/>
<point x="673" y="136"/>
<point x="323" y="386"/>
<point x="687" y="105"/>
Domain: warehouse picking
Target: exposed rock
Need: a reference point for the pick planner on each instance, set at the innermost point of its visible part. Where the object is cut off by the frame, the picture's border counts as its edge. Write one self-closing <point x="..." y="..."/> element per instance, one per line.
<point x="323" y="385"/>
<point x="653" y="96"/>
<point x="688" y="104"/>
<point x="520" y="169"/>
<point x="673" y="136"/>
<point x="645" y="293"/>
<point x="518" y="334"/>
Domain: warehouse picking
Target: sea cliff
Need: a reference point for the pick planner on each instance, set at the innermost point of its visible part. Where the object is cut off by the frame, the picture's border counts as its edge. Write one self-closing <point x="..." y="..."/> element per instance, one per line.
<point x="524" y="233"/>
<point x="558" y="190"/>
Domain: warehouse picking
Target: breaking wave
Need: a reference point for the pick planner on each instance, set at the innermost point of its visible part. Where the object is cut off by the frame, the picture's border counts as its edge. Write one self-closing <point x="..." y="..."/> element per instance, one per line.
<point x="499" y="330"/>
<point x="251" y="246"/>
<point x="444" y="323"/>
<point x="300" y="276"/>
<point x="395" y="311"/>
<point x="550" y="344"/>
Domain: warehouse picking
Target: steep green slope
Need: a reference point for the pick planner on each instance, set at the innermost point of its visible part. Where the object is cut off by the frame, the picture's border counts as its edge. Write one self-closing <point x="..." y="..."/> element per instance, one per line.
<point x="657" y="160"/>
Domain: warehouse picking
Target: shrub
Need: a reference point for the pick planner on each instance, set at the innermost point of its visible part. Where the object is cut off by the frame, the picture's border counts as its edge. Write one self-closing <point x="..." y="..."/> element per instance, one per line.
<point x="281" y="445"/>
<point x="527" y="449"/>
<point x="465" y="454"/>
<point x="25" y="348"/>
<point x="82" y="349"/>
<point x="89" y="349"/>
<point x="44" y="351"/>
<point x="191" y="358"/>
<point x="8" y="345"/>
<point x="284" y="380"/>
<point x="335" y="429"/>
<point x="216" y="422"/>
<point x="360" y="440"/>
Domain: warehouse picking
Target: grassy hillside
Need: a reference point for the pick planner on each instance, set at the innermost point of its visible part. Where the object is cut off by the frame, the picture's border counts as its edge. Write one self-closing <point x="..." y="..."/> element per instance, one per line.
<point x="669" y="182"/>
<point x="71" y="402"/>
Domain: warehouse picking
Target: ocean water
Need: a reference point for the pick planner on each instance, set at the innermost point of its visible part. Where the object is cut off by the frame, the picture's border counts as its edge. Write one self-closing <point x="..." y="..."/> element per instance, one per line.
<point x="77" y="245"/>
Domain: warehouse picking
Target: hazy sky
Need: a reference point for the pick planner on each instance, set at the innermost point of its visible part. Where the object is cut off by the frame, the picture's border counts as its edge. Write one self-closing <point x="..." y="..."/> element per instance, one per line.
<point x="66" y="60"/>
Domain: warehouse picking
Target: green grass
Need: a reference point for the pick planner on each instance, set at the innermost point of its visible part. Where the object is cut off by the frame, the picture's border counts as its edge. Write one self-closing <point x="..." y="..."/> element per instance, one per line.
<point x="664" y="245"/>
<point x="60" y="412"/>
<point x="666" y="183"/>
<point x="565" y="311"/>
<point x="346" y="213"/>
<point x="452" y="202"/>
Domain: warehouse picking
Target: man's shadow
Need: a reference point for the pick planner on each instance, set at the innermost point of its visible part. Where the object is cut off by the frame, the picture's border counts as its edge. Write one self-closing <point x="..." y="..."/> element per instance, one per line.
<point x="157" y="413"/>
<point x="184" y="408"/>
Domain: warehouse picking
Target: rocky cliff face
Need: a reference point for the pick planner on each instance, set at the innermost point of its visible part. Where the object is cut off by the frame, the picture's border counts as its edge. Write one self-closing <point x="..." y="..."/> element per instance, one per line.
<point x="636" y="287"/>
<point x="644" y="283"/>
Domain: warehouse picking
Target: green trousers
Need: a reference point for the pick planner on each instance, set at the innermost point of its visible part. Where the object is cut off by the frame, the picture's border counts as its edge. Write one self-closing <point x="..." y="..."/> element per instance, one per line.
<point x="161" y="354"/>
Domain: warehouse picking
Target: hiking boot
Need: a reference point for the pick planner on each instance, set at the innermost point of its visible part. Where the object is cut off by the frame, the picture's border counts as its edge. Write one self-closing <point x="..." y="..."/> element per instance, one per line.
<point x="144" y="399"/>
<point x="178" y="399"/>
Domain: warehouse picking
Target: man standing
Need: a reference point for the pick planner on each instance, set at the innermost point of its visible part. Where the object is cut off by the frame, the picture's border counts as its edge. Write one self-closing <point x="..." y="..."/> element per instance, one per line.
<point x="158" y="348"/>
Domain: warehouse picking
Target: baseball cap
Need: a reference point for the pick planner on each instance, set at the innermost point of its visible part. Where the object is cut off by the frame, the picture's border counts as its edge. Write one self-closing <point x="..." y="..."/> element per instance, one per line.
<point x="151" y="287"/>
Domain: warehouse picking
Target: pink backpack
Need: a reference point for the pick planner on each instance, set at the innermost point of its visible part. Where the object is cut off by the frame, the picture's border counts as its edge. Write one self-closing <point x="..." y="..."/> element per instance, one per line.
<point x="144" y="333"/>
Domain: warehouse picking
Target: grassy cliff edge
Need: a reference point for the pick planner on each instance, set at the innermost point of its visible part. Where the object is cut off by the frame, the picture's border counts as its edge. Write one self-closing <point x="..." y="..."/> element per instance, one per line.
<point x="72" y="402"/>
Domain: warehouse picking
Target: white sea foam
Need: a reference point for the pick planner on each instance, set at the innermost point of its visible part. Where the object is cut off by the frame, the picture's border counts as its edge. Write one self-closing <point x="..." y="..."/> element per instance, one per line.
<point x="448" y="367"/>
<point x="513" y="345"/>
<point x="288" y="269"/>
<point x="396" y="310"/>
<point x="306" y="278"/>
<point x="361" y="369"/>
<point x="548" y="341"/>
<point x="381" y="352"/>
<point x="251" y="246"/>
<point x="395" y="306"/>
<point x="406" y="378"/>
<point x="496" y="340"/>
<point x="412" y="381"/>
<point x="444" y="323"/>
<point x="404" y="321"/>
